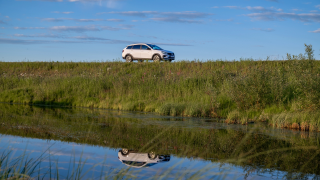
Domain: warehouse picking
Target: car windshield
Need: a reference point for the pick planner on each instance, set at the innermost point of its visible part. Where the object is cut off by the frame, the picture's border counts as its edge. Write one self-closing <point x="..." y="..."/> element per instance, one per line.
<point x="150" y="164"/>
<point x="134" y="163"/>
<point x="155" y="47"/>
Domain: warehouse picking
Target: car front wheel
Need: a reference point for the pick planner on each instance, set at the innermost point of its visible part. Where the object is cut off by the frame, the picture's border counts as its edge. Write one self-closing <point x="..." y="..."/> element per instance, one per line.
<point x="156" y="58"/>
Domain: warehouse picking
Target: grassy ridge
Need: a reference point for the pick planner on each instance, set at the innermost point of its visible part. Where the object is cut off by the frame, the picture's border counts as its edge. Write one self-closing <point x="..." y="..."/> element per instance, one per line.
<point x="284" y="93"/>
<point x="251" y="151"/>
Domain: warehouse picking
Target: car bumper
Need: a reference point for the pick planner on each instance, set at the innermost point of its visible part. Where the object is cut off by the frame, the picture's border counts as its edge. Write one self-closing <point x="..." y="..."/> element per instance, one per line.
<point x="168" y="57"/>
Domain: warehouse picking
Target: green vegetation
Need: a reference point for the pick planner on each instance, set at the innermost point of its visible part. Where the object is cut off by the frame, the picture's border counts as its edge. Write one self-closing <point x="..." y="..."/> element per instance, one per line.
<point x="254" y="152"/>
<point x="284" y="93"/>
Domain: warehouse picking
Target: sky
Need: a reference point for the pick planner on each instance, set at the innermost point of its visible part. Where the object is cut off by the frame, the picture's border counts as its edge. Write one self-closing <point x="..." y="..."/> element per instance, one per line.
<point x="98" y="30"/>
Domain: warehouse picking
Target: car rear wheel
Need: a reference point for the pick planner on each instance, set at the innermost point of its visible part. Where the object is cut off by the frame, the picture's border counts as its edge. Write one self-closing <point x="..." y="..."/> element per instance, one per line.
<point x="124" y="151"/>
<point x="129" y="58"/>
<point x="156" y="58"/>
<point x="152" y="155"/>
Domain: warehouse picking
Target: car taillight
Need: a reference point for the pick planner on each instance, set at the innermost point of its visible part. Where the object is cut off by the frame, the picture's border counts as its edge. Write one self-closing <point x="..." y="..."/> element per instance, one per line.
<point x="122" y="50"/>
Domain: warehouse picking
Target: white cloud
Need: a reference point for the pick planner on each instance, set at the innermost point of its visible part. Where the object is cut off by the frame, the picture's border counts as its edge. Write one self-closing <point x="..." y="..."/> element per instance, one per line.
<point x="72" y="0"/>
<point x="114" y="20"/>
<point x="313" y="11"/>
<point x="316" y="31"/>
<point x="229" y="20"/>
<point x="22" y="41"/>
<point x="132" y="13"/>
<point x="74" y="28"/>
<point x="40" y="35"/>
<point x="77" y="39"/>
<point x="175" y="20"/>
<point x="318" y="6"/>
<point x="62" y="12"/>
<point x="271" y="16"/>
<point x="179" y="17"/>
<point x="88" y="0"/>
<point x="233" y="7"/>
<point x="44" y="0"/>
<point x="29" y="28"/>
<point x="54" y="19"/>
<point x="265" y="30"/>
<point x="215" y="7"/>
<point x="184" y="14"/>
<point x="255" y="8"/>
<point x="110" y="28"/>
<point x="108" y="3"/>
<point x="80" y="29"/>
<point x="80" y="20"/>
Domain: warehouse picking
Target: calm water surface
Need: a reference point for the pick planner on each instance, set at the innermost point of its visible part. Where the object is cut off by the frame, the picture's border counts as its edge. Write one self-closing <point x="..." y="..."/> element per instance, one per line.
<point x="95" y="141"/>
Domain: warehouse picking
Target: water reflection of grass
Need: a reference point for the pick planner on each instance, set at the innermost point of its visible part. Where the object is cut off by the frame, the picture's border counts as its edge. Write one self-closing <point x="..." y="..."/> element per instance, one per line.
<point x="20" y="167"/>
<point x="248" y="150"/>
<point x="23" y="167"/>
<point x="242" y="91"/>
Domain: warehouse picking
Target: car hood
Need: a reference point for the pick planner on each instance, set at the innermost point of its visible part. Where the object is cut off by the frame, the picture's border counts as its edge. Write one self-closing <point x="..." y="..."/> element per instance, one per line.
<point x="166" y="51"/>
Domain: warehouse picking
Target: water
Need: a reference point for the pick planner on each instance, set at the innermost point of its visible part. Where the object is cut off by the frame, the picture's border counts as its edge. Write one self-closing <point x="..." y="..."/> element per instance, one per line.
<point x="90" y="143"/>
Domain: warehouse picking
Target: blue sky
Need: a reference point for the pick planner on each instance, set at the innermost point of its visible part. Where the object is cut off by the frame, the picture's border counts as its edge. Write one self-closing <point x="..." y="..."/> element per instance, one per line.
<point x="98" y="30"/>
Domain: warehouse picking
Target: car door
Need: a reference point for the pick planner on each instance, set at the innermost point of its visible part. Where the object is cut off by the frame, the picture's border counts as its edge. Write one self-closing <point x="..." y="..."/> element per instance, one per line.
<point x="135" y="51"/>
<point x="128" y="50"/>
<point x="146" y="52"/>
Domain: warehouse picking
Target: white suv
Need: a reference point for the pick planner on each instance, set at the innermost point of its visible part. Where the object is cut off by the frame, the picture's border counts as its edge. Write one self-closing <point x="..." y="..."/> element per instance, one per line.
<point x="138" y="160"/>
<point x="143" y="51"/>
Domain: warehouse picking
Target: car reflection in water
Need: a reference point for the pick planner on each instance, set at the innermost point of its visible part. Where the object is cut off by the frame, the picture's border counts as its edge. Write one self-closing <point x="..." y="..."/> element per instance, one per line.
<point x="138" y="160"/>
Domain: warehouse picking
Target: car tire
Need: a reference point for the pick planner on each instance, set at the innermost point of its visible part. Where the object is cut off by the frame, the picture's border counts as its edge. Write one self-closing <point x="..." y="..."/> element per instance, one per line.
<point x="152" y="155"/>
<point x="124" y="151"/>
<point x="156" y="58"/>
<point x="129" y="58"/>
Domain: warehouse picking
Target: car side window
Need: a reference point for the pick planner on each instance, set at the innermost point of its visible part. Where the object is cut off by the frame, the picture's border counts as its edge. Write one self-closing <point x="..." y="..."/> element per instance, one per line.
<point x="136" y="47"/>
<point x="129" y="47"/>
<point x="144" y="47"/>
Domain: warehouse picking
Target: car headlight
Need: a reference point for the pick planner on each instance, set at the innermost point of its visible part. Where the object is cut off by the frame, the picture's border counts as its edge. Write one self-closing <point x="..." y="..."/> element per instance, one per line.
<point x="163" y="52"/>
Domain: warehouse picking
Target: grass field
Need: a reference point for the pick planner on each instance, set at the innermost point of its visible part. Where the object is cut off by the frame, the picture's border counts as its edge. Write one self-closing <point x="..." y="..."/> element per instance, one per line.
<point x="284" y="93"/>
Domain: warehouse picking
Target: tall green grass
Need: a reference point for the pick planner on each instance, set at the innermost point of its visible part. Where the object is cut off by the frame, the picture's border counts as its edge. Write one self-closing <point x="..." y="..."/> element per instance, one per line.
<point x="241" y="91"/>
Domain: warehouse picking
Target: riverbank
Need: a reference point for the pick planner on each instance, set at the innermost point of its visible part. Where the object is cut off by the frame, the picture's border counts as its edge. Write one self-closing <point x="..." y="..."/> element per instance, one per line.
<point x="284" y="93"/>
